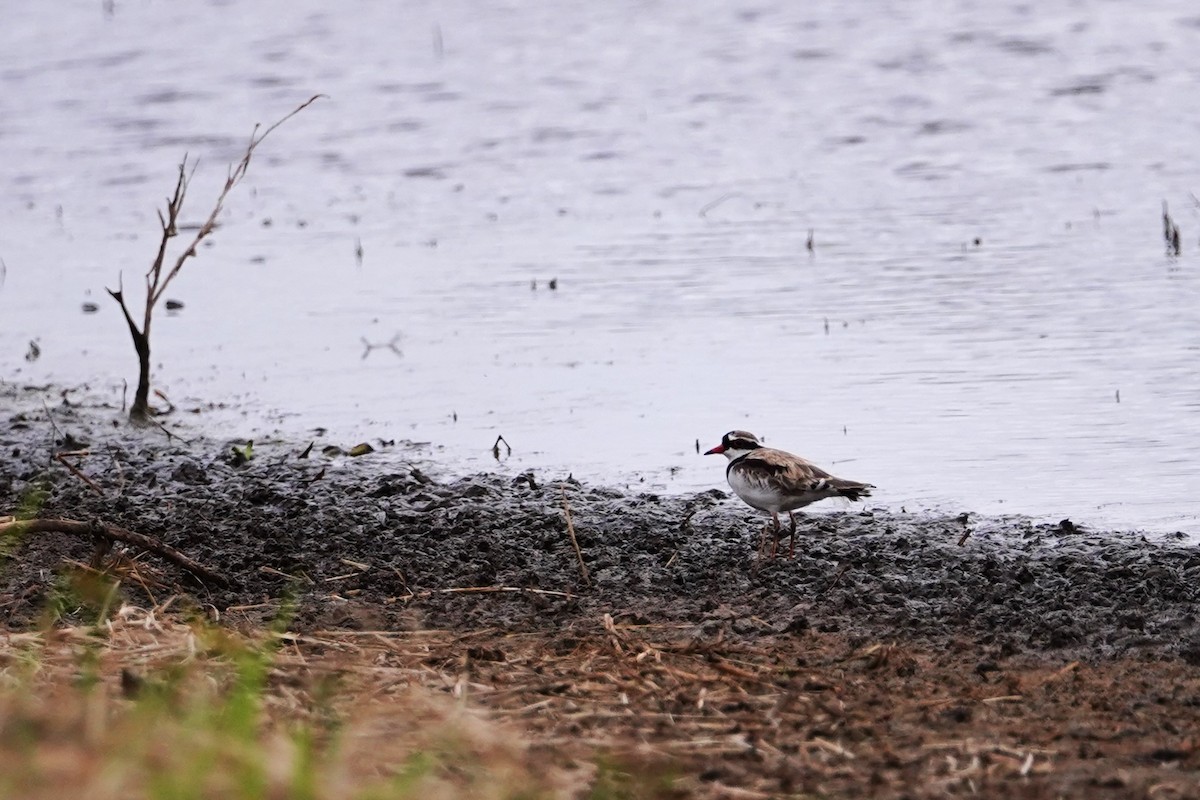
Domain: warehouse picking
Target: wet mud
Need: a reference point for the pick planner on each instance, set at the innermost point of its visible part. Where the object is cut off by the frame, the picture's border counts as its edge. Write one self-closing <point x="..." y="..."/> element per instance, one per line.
<point x="896" y="656"/>
<point x="379" y="543"/>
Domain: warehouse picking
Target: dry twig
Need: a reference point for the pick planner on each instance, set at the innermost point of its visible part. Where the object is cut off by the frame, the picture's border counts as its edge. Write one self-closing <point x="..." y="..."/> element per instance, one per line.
<point x="102" y="531"/>
<point x="62" y="459"/>
<point x="482" y="590"/>
<point x="574" y="542"/>
<point x="156" y="280"/>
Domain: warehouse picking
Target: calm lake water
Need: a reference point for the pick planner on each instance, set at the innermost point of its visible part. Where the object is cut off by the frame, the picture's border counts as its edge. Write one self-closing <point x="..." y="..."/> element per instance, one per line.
<point x="988" y="319"/>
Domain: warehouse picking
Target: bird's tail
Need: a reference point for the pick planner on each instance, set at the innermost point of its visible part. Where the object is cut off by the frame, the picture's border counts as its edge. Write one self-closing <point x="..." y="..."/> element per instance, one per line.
<point x="852" y="490"/>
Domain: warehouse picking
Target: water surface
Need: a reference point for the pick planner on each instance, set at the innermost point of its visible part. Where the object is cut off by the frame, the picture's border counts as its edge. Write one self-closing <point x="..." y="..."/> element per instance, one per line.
<point x="988" y="319"/>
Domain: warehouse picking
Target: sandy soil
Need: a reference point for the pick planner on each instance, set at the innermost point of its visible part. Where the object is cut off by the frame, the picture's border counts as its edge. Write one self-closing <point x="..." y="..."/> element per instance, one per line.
<point x="898" y="655"/>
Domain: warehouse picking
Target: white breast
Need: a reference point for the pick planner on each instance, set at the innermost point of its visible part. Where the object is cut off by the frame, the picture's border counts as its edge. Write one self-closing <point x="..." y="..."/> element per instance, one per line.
<point x="759" y="494"/>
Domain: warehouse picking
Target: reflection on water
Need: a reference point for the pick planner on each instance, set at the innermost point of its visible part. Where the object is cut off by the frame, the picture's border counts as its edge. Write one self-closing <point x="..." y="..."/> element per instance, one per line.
<point x="986" y="321"/>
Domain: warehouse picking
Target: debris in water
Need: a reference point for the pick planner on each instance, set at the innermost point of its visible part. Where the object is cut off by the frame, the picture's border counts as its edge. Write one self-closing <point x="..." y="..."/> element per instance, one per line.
<point x="90" y="308"/>
<point x="392" y="344"/>
<point x="34" y="352"/>
<point x="361" y="450"/>
<point x="553" y="284"/>
<point x="496" y="448"/>
<point x="728" y="196"/>
<point x="1171" y="233"/>
<point x="174" y="305"/>
<point x="162" y="396"/>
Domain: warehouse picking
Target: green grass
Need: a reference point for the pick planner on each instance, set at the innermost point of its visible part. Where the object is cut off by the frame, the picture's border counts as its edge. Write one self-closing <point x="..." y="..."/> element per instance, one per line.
<point x="108" y="702"/>
<point x="205" y="713"/>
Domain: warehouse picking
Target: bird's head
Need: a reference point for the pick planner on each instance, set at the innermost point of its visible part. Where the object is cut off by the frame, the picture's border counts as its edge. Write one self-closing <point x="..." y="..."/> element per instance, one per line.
<point x="736" y="444"/>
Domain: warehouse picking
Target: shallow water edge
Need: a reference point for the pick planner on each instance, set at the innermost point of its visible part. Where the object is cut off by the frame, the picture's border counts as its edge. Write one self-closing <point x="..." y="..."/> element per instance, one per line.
<point x="386" y="543"/>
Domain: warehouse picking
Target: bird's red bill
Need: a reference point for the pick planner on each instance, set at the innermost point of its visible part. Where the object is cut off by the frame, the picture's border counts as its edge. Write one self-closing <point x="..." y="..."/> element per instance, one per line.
<point x="718" y="449"/>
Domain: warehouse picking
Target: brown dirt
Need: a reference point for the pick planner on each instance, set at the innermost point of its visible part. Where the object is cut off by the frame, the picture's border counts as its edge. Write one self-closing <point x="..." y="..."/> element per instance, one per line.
<point x="1032" y="660"/>
<point x="827" y="716"/>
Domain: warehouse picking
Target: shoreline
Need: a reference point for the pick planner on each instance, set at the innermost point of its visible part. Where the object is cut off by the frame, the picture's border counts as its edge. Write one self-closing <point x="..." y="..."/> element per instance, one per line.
<point x="1022" y="660"/>
<point x="354" y="542"/>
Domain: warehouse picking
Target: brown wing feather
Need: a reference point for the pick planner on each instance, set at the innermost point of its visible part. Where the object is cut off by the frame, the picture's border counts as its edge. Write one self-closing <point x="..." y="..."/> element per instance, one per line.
<point x="793" y="474"/>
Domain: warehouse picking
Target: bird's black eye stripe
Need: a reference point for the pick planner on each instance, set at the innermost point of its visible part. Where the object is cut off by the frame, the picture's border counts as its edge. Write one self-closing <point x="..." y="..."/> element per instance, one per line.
<point x="740" y="440"/>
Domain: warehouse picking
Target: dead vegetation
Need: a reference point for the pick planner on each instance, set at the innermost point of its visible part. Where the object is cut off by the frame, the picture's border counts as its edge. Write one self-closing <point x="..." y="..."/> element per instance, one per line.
<point x="470" y="658"/>
<point x="610" y="710"/>
<point x="105" y="535"/>
<point x="148" y="705"/>
<point x="159" y="277"/>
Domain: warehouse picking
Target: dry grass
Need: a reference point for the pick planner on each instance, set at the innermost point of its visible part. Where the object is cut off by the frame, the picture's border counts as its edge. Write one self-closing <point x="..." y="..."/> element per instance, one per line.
<point x="152" y="705"/>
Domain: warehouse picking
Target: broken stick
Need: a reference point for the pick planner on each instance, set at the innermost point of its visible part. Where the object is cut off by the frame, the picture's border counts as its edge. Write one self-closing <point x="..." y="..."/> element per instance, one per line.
<point x="100" y="530"/>
<point x="571" y="532"/>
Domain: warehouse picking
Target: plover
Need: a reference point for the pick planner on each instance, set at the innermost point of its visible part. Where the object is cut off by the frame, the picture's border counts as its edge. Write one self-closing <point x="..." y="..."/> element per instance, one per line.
<point x="774" y="481"/>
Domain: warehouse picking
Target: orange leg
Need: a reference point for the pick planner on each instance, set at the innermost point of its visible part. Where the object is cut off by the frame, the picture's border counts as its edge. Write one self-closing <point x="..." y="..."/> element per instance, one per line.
<point x="775" y="535"/>
<point x="792" y="541"/>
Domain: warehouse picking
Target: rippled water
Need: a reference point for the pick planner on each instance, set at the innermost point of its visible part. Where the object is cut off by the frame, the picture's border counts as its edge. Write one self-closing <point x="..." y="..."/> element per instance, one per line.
<point x="988" y="319"/>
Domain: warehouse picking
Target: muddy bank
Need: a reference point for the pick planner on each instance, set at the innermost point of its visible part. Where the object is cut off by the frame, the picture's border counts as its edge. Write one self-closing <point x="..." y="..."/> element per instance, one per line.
<point x="375" y="542"/>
